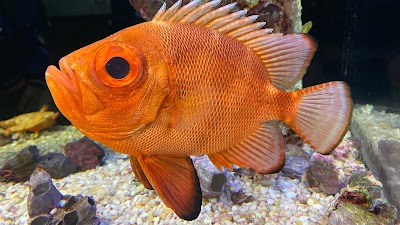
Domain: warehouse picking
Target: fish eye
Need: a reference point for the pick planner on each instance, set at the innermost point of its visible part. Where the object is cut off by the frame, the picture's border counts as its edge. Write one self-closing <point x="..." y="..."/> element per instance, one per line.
<point x="117" y="67"/>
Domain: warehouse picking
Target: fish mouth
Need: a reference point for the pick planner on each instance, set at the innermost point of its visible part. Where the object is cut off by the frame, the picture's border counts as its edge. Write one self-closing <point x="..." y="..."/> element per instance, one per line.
<point x="65" y="76"/>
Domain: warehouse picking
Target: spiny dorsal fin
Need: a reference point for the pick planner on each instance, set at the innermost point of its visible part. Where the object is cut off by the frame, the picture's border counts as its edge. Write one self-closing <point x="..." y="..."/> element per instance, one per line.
<point x="286" y="57"/>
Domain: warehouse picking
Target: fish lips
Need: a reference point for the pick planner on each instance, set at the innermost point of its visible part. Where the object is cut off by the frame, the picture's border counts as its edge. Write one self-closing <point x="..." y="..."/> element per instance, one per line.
<point x="65" y="77"/>
<point x="64" y="87"/>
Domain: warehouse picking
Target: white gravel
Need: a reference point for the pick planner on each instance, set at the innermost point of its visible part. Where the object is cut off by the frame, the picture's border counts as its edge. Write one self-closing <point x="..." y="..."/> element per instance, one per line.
<point x="121" y="199"/>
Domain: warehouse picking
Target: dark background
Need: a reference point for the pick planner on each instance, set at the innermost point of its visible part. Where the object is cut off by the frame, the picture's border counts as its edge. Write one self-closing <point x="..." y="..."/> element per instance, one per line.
<point x="359" y="42"/>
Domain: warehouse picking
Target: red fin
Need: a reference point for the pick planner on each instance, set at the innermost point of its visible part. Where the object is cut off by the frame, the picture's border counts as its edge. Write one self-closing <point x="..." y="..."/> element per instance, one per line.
<point x="323" y="115"/>
<point x="137" y="170"/>
<point x="175" y="181"/>
<point x="286" y="57"/>
<point x="263" y="151"/>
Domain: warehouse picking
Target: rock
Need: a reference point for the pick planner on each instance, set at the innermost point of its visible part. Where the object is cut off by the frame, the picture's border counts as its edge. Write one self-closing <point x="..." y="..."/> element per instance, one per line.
<point x="354" y="214"/>
<point x="43" y="195"/>
<point x="85" y="153"/>
<point x="42" y="219"/>
<point x="380" y="147"/>
<point x="323" y="176"/>
<point x="5" y="140"/>
<point x="58" y="165"/>
<point x="212" y="181"/>
<point x="282" y="16"/>
<point x="368" y="182"/>
<point x="79" y="210"/>
<point x="47" y="206"/>
<point x="356" y="205"/>
<point x="20" y="167"/>
<point x="240" y="197"/>
<point x="296" y="162"/>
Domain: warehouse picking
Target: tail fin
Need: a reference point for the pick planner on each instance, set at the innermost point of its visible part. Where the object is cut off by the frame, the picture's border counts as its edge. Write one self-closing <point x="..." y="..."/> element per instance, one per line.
<point x="323" y="115"/>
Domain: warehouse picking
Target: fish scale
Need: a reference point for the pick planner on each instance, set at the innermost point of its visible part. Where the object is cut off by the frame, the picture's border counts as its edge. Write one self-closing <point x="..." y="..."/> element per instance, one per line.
<point x="197" y="85"/>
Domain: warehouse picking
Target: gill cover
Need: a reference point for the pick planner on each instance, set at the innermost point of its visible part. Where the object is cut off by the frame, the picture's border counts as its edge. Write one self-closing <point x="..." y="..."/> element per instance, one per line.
<point x="119" y="66"/>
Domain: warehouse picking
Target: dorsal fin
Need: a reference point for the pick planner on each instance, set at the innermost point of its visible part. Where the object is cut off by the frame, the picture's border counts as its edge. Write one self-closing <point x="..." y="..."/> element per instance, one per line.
<point x="286" y="57"/>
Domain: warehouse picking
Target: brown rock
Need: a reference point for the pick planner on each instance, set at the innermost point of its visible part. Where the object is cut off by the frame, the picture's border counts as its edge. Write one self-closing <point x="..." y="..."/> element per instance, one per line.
<point x="323" y="176"/>
<point x="85" y="153"/>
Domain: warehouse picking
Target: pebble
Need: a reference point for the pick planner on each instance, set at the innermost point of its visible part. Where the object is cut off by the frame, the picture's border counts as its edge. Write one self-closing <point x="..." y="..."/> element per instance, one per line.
<point x="121" y="199"/>
<point x="291" y="194"/>
<point x="318" y="207"/>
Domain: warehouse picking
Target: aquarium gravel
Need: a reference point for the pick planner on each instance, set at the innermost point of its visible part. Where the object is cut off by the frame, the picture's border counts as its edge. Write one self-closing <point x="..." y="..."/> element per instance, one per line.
<point x="121" y="199"/>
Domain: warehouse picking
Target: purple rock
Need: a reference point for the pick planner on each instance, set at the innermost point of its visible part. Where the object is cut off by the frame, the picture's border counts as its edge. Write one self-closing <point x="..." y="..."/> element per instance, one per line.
<point x="296" y="162"/>
<point x="85" y="153"/>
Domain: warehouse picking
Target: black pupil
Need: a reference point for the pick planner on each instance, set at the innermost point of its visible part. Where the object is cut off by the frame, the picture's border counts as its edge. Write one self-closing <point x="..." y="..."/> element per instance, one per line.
<point x="117" y="67"/>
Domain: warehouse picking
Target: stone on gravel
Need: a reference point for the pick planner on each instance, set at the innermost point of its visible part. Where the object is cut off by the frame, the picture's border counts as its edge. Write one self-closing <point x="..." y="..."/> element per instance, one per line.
<point x="20" y="167"/>
<point x="355" y="214"/>
<point x="323" y="176"/>
<point x="296" y="162"/>
<point x="43" y="195"/>
<point x="212" y="181"/>
<point x="357" y="205"/>
<point x="58" y="165"/>
<point x="85" y="153"/>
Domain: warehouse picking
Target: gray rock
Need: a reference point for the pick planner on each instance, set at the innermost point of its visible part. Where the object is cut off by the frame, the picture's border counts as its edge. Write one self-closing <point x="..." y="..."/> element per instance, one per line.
<point x="212" y="181"/>
<point x="380" y="147"/>
<point x="43" y="195"/>
<point x="79" y="210"/>
<point x="58" y="165"/>
<point x="21" y="166"/>
<point x="42" y="219"/>
<point x="389" y="173"/>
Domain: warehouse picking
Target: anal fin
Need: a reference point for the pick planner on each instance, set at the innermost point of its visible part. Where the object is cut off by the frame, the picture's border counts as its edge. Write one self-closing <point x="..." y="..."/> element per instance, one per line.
<point x="262" y="151"/>
<point x="175" y="181"/>
<point x="137" y="170"/>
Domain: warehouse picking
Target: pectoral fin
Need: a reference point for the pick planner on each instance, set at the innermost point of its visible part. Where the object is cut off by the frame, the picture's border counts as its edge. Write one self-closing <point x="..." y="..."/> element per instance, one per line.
<point x="175" y="181"/>
<point x="263" y="151"/>
<point x="137" y="170"/>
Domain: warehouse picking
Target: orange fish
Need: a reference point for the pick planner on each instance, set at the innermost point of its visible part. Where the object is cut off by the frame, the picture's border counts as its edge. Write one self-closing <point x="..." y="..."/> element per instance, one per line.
<point x="197" y="80"/>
